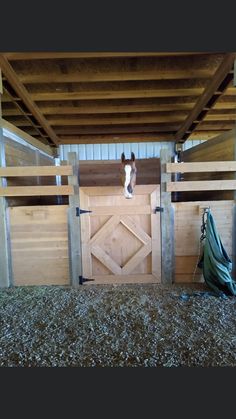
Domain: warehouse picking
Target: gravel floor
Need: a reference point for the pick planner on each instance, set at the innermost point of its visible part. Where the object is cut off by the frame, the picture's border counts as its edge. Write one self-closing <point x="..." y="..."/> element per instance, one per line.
<point x="129" y="325"/>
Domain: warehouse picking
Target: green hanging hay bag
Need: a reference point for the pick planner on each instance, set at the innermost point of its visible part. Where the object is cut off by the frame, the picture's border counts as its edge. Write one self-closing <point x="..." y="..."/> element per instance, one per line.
<point x="215" y="262"/>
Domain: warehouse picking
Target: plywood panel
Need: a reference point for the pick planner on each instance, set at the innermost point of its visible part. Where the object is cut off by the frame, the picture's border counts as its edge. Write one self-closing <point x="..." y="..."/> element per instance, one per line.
<point x="39" y="240"/>
<point x="188" y="221"/>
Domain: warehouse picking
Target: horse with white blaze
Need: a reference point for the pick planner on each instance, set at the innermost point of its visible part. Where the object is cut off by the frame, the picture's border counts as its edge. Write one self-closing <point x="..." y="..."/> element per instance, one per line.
<point x="129" y="171"/>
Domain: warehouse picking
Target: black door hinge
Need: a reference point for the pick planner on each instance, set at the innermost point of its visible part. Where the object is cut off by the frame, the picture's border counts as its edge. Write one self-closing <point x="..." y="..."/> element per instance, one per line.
<point x="82" y="279"/>
<point x="159" y="209"/>
<point x="80" y="211"/>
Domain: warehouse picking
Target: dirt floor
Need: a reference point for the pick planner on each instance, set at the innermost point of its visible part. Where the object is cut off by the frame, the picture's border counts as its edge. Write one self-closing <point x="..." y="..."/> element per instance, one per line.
<point x="129" y="325"/>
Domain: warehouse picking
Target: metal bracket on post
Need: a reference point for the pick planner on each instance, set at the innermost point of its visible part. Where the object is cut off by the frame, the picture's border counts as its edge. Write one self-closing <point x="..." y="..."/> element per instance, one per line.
<point x="178" y="151"/>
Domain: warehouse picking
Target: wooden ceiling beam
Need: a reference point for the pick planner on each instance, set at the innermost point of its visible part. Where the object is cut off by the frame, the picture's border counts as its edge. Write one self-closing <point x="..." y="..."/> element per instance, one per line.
<point x="74" y="110"/>
<point x="129" y="119"/>
<point x="14" y="112"/>
<point x="224" y="105"/>
<point x="23" y="94"/>
<point x="221" y="117"/>
<point x="115" y="94"/>
<point x="117" y="129"/>
<point x="122" y="138"/>
<point x="91" y="110"/>
<point x="13" y="56"/>
<point x="204" y="135"/>
<point x="215" y="125"/>
<point x="88" y="77"/>
<point x="22" y="109"/>
<point x="219" y="82"/>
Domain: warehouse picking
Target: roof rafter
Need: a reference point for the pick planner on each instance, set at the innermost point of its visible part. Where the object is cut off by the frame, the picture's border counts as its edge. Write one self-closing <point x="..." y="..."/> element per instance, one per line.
<point x="217" y="85"/>
<point x="23" y="94"/>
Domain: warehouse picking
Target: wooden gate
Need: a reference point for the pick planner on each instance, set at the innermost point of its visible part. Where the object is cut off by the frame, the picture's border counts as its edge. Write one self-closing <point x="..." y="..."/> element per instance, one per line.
<point x="121" y="237"/>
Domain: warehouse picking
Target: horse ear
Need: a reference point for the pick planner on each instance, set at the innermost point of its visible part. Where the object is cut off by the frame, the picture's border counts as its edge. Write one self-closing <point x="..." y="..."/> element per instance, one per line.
<point x="123" y="157"/>
<point x="132" y="156"/>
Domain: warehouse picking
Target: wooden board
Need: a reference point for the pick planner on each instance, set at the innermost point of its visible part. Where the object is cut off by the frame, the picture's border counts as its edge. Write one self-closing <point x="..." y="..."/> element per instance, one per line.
<point x="121" y="237"/>
<point x="202" y="185"/>
<point x="39" y="244"/>
<point x="21" y="155"/>
<point x="188" y="220"/>
<point x="36" y="190"/>
<point x="196" y="167"/>
<point x="218" y="149"/>
<point x="17" y="171"/>
<point x="108" y="172"/>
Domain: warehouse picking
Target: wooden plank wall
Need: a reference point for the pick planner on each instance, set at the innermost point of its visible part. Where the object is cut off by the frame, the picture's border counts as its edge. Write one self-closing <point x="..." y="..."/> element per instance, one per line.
<point x="39" y="240"/>
<point x="188" y="220"/>
<point x="220" y="148"/>
<point x="17" y="154"/>
<point x="108" y="172"/>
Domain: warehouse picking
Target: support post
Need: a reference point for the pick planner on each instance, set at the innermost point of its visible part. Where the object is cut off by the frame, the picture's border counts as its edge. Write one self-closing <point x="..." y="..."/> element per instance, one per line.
<point x="167" y="222"/>
<point x="6" y="277"/>
<point x="74" y="234"/>
<point x="234" y="73"/>
<point x="234" y="210"/>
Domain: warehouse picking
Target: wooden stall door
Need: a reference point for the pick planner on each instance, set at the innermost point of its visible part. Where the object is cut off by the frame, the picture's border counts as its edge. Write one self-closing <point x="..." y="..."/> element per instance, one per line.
<point x="121" y="237"/>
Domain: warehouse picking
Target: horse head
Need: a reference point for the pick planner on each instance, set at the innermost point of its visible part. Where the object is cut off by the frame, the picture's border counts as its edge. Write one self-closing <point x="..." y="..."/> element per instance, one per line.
<point x="129" y="171"/>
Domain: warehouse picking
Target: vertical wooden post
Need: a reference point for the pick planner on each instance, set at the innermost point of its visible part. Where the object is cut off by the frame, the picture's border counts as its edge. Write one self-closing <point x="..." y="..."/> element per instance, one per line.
<point x="74" y="235"/>
<point x="234" y="214"/>
<point x="167" y="222"/>
<point x="6" y="278"/>
<point x="234" y="73"/>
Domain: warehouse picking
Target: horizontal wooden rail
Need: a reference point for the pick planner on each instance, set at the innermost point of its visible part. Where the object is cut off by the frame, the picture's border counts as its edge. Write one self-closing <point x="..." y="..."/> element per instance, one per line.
<point x="36" y="190"/>
<point x="203" y="185"/>
<point x="211" y="166"/>
<point x="22" y="171"/>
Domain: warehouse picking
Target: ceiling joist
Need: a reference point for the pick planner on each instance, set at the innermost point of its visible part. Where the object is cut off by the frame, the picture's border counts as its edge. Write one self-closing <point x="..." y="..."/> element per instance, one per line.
<point x="115" y="94"/>
<point x="107" y="97"/>
<point x="23" y="94"/>
<point x="120" y="138"/>
<point x="88" y="77"/>
<point x="218" y="84"/>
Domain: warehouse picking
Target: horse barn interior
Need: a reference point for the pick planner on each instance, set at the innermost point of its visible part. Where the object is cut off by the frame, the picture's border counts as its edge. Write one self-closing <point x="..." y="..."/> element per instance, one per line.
<point x="66" y="119"/>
